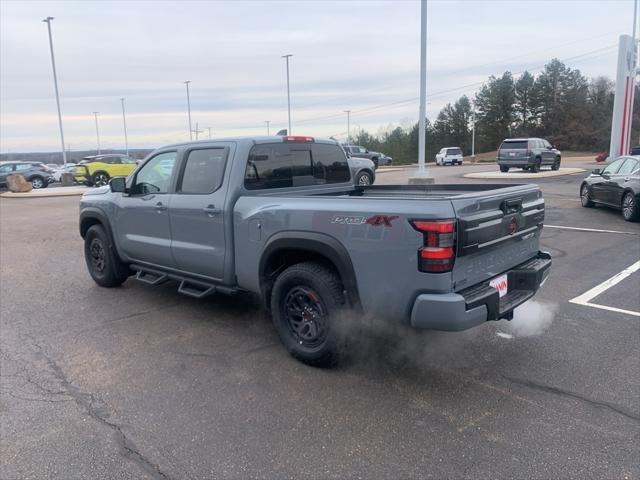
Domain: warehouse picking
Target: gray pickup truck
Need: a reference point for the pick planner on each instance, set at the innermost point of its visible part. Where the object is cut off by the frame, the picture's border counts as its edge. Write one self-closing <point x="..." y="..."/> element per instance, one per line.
<point x="281" y="217"/>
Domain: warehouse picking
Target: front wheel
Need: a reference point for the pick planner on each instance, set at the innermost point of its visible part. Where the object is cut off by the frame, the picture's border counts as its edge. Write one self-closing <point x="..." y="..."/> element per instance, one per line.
<point x="306" y="302"/>
<point x="630" y="207"/>
<point x="364" y="179"/>
<point x="585" y="196"/>
<point x="103" y="264"/>
<point x="38" y="182"/>
<point x="375" y="162"/>
<point x="556" y="164"/>
<point x="504" y="169"/>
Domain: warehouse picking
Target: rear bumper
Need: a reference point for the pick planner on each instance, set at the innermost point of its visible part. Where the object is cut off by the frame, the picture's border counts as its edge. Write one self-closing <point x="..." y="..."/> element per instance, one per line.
<point x="479" y="303"/>
<point x="515" y="162"/>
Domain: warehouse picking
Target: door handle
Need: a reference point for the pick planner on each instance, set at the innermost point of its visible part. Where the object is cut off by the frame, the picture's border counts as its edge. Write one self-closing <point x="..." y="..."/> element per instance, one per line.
<point x="160" y="207"/>
<point x="211" y="210"/>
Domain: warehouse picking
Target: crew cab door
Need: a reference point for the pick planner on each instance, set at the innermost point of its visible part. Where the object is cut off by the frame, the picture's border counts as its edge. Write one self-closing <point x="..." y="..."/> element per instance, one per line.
<point x="196" y="212"/>
<point x="142" y="223"/>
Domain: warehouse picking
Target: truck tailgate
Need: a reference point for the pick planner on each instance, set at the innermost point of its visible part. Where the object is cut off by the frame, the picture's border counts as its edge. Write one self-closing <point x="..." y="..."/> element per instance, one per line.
<point x="496" y="231"/>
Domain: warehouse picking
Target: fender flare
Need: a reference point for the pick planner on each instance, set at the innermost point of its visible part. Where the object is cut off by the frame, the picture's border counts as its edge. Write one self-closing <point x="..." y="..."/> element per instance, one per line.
<point x="318" y="243"/>
<point x="94" y="213"/>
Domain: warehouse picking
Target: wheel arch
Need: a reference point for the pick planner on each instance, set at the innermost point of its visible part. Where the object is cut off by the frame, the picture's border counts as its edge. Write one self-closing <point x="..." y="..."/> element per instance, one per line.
<point x="91" y="216"/>
<point x="288" y="248"/>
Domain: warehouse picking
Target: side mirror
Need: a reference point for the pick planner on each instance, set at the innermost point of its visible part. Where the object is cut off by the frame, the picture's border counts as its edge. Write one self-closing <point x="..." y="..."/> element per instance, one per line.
<point x="118" y="184"/>
<point x="596" y="171"/>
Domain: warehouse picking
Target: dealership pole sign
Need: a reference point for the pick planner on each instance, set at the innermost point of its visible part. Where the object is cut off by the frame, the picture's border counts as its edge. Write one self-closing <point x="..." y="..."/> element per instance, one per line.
<point x="623" y="103"/>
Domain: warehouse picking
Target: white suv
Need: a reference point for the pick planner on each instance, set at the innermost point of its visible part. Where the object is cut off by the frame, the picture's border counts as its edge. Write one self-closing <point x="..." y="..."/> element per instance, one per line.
<point x="451" y="155"/>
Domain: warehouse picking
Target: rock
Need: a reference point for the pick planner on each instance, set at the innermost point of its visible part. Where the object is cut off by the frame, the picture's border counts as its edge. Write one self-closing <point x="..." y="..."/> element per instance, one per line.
<point x="17" y="184"/>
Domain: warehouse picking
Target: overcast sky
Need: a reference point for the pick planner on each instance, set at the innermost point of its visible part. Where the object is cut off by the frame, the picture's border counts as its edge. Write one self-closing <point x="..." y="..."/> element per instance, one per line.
<point x="348" y="55"/>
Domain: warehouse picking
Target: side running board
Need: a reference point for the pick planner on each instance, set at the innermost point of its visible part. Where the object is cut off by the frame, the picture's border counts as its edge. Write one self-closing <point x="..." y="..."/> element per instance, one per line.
<point x="152" y="278"/>
<point x="188" y="286"/>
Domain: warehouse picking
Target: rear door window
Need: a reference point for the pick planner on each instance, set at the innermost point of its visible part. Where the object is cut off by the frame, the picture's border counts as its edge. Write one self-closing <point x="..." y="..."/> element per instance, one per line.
<point x="282" y="165"/>
<point x="454" y="151"/>
<point x="203" y="171"/>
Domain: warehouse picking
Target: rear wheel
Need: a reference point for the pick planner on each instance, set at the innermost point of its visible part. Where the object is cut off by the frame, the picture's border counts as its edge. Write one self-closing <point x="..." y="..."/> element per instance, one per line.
<point x="306" y="302"/>
<point x="100" y="179"/>
<point x="556" y="164"/>
<point x="504" y="169"/>
<point x="103" y="263"/>
<point x="535" y="168"/>
<point x="585" y="196"/>
<point x="630" y="207"/>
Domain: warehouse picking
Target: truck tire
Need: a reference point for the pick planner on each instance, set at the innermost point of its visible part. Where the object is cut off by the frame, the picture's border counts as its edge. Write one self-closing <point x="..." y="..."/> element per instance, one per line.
<point x="306" y="303"/>
<point x="556" y="164"/>
<point x="103" y="263"/>
<point x="504" y="169"/>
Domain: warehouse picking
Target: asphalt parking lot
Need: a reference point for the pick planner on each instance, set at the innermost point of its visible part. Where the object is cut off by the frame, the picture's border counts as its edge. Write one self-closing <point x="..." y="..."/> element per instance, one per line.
<point x="141" y="382"/>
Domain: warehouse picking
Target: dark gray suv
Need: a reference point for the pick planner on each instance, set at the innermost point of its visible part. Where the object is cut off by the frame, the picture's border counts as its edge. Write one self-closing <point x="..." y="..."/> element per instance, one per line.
<point x="37" y="173"/>
<point x="528" y="154"/>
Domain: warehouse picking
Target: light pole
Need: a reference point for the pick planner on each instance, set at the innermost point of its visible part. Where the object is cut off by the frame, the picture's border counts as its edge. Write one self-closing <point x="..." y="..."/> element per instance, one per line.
<point x="95" y="114"/>
<point x="422" y="176"/>
<point x="196" y="131"/>
<point x="124" y="121"/>
<point x="268" y="122"/>
<point x="473" y="133"/>
<point x="422" y="137"/>
<point x="348" y="112"/>
<point x="55" y="85"/>
<point x="189" y="109"/>
<point x="286" y="57"/>
<point x="208" y="128"/>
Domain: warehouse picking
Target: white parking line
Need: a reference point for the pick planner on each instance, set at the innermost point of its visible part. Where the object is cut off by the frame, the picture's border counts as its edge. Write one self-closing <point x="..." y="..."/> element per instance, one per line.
<point x="585" y="298"/>
<point x="591" y="230"/>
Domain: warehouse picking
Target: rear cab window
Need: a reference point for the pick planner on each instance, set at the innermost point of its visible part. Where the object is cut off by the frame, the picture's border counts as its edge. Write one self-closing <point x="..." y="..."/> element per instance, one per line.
<point x="293" y="164"/>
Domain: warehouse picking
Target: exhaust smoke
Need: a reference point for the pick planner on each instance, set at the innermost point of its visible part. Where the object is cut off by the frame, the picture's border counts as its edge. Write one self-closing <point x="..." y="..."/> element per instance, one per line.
<point x="532" y="318"/>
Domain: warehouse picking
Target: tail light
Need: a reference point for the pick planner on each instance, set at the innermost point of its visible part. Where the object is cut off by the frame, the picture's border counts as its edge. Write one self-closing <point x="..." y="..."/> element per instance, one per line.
<point x="437" y="254"/>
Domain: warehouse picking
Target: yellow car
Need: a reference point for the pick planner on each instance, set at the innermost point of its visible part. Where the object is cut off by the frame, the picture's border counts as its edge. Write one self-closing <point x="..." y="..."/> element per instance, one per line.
<point x="96" y="170"/>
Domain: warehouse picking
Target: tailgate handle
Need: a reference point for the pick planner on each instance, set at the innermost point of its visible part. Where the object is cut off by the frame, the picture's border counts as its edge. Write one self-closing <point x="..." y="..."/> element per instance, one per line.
<point x="512" y="205"/>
